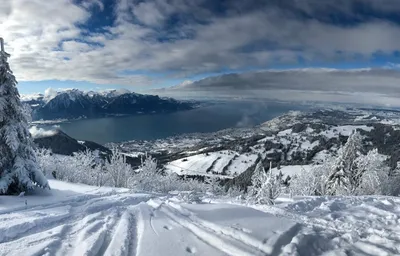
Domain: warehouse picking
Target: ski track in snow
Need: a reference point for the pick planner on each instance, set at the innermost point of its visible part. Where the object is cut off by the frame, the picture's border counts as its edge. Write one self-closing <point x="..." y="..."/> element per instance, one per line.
<point x="76" y="228"/>
<point x="122" y="224"/>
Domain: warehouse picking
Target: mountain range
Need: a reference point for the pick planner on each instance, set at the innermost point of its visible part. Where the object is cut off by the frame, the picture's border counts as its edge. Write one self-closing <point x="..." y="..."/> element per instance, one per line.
<point x="74" y="104"/>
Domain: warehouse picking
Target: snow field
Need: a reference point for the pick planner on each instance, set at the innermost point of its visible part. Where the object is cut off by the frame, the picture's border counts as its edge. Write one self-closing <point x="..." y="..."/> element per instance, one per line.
<point x="213" y="164"/>
<point x="360" y="225"/>
<point x="344" y="130"/>
<point x="197" y="164"/>
<point x="74" y="219"/>
<point x="241" y="164"/>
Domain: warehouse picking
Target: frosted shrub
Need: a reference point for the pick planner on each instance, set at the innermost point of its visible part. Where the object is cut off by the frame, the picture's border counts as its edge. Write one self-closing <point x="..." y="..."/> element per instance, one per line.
<point x="82" y="167"/>
<point x="213" y="185"/>
<point x="322" y="173"/>
<point x="186" y="184"/>
<point x="146" y="178"/>
<point x="148" y="165"/>
<point x="54" y="165"/>
<point x="305" y="183"/>
<point x="46" y="162"/>
<point x="312" y="181"/>
<point x="235" y="192"/>
<point x="118" y="169"/>
<point x="88" y="168"/>
<point x="374" y="179"/>
<point x="265" y="188"/>
<point x="190" y="197"/>
<point x="149" y="178"/>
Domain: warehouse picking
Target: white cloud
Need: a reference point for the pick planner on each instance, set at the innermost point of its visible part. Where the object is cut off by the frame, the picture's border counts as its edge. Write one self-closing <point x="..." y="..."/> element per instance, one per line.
<point x="364" y="86"/>
<point x="47" y="42"/>
<point x="50" y="93"/>
<point x="40" y="132"/>
<point x="90" y="3"/>
<point x="183" y="84"/>
<point x="148" y="13"/>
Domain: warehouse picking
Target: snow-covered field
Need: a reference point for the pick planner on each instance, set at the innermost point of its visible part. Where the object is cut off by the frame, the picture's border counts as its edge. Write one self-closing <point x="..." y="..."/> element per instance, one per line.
<point x="76" y="219"/>
<point x="226" y="163"/>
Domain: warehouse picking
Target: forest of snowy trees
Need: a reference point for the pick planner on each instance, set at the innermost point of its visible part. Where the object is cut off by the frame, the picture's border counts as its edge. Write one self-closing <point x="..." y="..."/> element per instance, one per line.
<point x="352" y="172"/>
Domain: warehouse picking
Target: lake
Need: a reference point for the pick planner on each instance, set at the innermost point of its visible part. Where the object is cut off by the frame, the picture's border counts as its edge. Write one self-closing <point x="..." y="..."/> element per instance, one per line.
<point x="209" y="118"/>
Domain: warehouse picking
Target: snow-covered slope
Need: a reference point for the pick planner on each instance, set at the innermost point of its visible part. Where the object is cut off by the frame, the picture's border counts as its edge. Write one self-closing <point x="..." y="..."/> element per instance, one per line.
<point x="76" y="219"/>
<point x="222" y="163"/>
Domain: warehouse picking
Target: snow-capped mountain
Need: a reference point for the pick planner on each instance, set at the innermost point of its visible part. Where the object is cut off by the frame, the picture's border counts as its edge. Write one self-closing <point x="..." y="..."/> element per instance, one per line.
<point x="114" y="92"/>
<point x="74" y="103"/>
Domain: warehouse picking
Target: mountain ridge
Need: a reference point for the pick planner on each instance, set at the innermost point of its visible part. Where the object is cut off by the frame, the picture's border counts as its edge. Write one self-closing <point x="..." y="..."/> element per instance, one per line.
<point x="75" y="104"/>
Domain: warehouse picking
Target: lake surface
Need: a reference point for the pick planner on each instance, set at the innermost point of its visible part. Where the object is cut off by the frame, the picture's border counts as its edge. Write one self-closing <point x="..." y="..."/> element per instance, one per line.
<point x="149" y="127"/>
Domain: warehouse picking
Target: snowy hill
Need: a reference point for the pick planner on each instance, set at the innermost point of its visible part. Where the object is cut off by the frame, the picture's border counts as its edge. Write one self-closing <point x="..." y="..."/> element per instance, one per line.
<point x="60" y="143"/>
<point x="74" y="219"/>
<point x="73" y="103"/>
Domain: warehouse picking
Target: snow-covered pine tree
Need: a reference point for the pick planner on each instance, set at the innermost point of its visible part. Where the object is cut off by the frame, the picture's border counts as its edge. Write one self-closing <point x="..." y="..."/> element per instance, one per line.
<point x="19" y="170"/>
<point x="346" y="176"/>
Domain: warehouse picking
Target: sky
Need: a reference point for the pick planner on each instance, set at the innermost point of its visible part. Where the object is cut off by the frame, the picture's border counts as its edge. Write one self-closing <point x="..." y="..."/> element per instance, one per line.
<point x="146" y="45"/>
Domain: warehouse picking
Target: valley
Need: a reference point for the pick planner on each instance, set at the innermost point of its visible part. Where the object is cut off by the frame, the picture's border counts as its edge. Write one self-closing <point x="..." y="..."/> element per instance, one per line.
<point x="292" y="142"/>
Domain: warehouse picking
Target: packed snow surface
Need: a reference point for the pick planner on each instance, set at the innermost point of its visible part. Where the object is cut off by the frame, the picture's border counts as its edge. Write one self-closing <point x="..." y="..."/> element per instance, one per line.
<point x="76" y="219"/>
